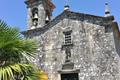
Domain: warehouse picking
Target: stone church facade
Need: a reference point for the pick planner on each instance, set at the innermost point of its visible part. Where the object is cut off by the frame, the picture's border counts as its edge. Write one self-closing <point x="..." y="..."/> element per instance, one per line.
<point x="74" y="46"/>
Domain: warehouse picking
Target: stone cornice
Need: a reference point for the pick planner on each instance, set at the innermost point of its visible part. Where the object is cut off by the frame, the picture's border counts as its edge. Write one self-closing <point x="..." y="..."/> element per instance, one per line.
<point x="103" y="21"/>
<point x="31" y="3"/>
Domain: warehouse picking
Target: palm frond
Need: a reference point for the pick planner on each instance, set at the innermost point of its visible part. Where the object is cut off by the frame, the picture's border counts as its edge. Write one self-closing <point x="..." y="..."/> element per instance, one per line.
<point x="13" y="50"/>
<point x="12" y="46"/>
<point x="9" y="72"/>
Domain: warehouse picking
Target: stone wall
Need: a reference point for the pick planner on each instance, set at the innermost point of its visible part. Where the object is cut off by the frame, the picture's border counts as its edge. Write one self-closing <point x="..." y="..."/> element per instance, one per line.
<point x="93" y="52"/>
<point x="42" y="7"/>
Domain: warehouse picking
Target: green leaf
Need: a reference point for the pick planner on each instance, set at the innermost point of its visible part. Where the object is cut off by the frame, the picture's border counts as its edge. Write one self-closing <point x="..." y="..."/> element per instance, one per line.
<point x="13" y="50"/>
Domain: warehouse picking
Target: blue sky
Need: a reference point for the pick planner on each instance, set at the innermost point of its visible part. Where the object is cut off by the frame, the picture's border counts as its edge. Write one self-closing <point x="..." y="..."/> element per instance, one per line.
<point x="14" y="12"/>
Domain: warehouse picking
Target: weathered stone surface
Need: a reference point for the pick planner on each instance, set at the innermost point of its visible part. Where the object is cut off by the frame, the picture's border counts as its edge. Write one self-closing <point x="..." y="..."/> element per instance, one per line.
<point x="43" y="11"/>
<point x="94" y="51"/>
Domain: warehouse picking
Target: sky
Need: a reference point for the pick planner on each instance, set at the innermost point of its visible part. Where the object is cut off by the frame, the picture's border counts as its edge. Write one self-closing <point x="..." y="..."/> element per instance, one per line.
<point x="14" y="12"/>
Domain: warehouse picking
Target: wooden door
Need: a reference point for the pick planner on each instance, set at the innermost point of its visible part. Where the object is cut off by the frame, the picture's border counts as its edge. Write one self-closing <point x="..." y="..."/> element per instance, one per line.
<point x="71" y="76"/>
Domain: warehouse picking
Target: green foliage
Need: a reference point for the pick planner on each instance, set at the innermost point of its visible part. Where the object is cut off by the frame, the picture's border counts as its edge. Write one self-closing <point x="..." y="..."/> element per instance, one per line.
<point x="13" y="50"/>
<point x="9" y="72"/>
<point x="13" y="46"/>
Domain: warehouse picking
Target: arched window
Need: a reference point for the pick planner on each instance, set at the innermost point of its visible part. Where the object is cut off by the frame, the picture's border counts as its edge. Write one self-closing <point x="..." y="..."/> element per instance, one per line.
<point x="47" y="17"/>
<point x="35" y="12"/>
<point x="35" y="16"/>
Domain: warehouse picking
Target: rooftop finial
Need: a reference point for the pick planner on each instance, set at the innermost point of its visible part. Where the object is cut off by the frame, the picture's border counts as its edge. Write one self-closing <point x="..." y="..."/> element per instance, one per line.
<point x="107" y="10"/>
<point x="66" y="7"/>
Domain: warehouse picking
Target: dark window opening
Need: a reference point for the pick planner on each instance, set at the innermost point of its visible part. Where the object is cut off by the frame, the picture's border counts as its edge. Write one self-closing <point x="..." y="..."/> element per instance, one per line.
<point x="108" y="29"/>
<point x="35" y="12"/>
<point x="47" y="20"/>
<point x="35" y="16"/>
<point x="70" y="76"/>
<point x="68" y="38"/>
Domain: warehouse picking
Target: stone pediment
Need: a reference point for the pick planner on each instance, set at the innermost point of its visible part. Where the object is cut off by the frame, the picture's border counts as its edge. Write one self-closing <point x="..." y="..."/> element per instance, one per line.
<point x="98" y="20"/>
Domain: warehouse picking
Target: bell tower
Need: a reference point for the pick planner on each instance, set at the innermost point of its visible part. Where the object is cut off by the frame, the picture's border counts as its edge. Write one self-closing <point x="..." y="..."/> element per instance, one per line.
<point x="39" y="13"/>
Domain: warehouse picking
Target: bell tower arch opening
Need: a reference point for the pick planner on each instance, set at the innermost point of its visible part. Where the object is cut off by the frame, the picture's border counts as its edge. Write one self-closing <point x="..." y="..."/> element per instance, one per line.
<point x="39" y="13"/>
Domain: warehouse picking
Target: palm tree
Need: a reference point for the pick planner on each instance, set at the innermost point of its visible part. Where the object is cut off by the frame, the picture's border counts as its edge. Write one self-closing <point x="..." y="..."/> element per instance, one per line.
<point x="14" y="50"/>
